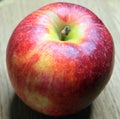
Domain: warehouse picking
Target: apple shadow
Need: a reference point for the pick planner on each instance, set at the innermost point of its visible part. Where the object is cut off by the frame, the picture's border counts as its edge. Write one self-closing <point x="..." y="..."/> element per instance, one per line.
<point x="18" y="110"/>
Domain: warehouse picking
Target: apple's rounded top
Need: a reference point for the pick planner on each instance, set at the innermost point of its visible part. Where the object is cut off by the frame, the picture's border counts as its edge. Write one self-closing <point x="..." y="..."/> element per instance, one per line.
<point x="69" y="11"/>
<point x="53" y="19"/>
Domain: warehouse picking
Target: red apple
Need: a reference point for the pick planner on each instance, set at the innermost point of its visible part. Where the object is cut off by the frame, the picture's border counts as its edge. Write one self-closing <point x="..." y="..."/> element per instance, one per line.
<point x="59" y="58"/>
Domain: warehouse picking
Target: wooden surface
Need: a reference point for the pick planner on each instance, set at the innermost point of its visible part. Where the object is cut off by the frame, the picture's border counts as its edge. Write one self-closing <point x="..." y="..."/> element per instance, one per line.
<point x="106" y="106"/>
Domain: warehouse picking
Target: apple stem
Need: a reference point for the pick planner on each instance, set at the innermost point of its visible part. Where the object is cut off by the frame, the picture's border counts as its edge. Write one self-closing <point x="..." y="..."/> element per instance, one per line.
<point x="65" y="31"/>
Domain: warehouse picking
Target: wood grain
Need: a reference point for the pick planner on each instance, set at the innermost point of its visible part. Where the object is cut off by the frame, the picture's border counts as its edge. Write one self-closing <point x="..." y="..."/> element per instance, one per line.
<point x="106" y="106"/>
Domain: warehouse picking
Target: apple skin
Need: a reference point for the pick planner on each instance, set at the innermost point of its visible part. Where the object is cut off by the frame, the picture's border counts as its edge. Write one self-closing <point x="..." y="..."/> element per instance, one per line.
<point x="58" y="77"/>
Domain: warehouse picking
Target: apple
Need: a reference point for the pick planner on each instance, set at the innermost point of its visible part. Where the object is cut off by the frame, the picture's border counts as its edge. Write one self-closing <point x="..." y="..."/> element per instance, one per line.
<point x="59" y="58"/>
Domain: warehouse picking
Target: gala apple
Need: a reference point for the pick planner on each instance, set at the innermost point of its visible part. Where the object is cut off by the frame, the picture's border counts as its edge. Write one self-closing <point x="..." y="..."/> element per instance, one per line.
<point x="59" y="58"/>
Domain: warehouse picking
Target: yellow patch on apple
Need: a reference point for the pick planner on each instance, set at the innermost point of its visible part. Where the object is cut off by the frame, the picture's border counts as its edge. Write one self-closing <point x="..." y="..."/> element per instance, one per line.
<point x="45" y="63"/>
<point x="41" y="101"/>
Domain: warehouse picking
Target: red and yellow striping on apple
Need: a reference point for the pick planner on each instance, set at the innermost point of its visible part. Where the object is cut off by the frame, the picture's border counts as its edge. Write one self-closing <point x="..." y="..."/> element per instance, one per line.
<point x="59" y="58"/>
